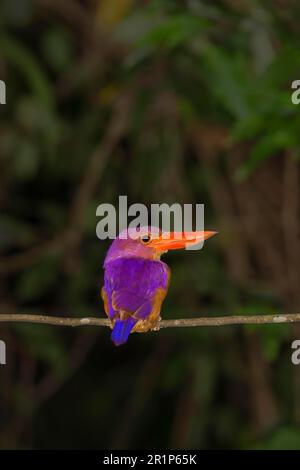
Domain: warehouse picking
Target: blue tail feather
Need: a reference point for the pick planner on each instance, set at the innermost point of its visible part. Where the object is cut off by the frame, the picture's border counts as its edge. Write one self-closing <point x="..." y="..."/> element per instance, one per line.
<point x="121" y="330"/>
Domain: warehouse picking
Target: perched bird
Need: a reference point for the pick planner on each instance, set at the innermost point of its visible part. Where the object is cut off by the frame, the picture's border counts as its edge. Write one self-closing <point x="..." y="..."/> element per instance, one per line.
<point x="136" y="281"/>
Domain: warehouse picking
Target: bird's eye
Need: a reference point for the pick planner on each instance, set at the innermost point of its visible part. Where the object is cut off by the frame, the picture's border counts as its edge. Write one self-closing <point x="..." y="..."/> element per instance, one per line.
<point x="146" y="239"/>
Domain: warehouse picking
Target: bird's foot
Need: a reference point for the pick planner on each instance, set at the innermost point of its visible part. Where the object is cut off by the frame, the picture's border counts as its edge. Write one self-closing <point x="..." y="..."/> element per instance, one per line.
<point x="156" y="327"/>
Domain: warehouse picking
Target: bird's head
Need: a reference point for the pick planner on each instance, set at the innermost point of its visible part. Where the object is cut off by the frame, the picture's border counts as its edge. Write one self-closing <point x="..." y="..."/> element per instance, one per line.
<point x="151" y="243"/>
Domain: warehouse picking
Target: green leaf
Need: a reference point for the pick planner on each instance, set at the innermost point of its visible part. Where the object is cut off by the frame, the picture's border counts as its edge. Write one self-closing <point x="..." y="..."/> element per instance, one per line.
<point x="57" y="48"/>
<point x="228" y="78"/>
<point x="27" y="65"/>
<point x="173" y="31"/>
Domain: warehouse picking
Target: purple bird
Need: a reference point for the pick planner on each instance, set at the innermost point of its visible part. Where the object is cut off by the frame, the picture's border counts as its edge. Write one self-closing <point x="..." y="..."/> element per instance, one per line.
<point x="136" y="281"/>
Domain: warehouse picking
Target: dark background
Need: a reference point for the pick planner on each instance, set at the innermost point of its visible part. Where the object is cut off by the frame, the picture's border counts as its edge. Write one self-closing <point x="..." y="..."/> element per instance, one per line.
<point x="163" y="101"/>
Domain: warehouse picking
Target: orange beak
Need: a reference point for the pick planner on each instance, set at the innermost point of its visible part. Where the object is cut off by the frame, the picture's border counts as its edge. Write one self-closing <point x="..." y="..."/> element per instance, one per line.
<point x="178" y="240"/>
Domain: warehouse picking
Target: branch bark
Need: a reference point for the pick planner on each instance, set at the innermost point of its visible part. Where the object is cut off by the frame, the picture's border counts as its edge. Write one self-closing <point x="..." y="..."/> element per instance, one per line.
<point x="183" y="322"/>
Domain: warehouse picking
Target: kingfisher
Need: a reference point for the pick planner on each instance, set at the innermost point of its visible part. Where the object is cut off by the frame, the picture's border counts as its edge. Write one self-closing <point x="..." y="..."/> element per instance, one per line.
<point x="136" y="281"/>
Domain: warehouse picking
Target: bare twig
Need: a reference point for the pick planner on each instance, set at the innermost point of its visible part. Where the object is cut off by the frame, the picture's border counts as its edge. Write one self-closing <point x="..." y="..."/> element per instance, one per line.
<point x="183" y="322"/>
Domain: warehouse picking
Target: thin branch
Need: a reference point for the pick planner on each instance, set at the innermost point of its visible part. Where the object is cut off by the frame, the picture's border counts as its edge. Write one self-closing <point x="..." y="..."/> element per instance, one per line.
<point x="183" y="322"/>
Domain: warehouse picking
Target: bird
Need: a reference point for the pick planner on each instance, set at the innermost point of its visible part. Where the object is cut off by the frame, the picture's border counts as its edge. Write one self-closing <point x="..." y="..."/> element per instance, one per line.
<point x="136" y="280"/>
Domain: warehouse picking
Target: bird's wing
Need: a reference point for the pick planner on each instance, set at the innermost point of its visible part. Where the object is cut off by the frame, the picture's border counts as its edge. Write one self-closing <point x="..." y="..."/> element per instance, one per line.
<point x="134" y="288"/>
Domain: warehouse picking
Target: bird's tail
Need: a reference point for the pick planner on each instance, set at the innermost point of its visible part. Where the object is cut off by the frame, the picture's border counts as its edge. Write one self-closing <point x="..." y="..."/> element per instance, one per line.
<point x="122" y="330"/>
